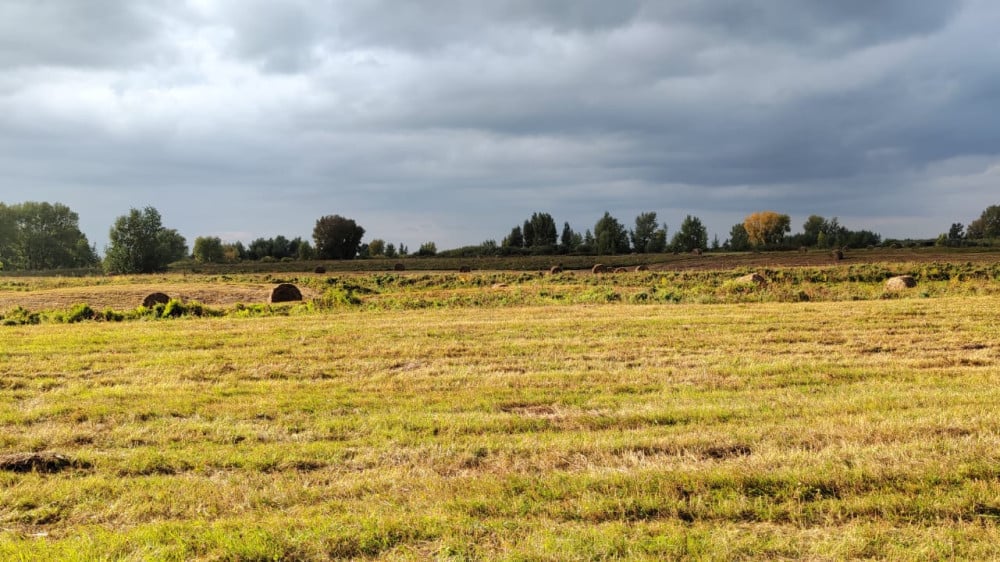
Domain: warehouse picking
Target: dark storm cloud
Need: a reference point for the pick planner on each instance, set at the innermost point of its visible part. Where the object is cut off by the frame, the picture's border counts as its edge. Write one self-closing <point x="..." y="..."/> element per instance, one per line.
<point x="452" y="120"/>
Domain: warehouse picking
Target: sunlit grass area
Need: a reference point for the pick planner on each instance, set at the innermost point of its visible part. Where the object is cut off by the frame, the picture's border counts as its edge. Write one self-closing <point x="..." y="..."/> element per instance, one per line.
<point x="824" y="430"/>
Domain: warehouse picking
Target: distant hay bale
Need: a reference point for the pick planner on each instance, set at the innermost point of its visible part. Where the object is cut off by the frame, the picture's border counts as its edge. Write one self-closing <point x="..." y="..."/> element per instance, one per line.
<point x="599" y="268"/>
<point x="621" y="270"/>
<point x="803" y="249"/>
<point x="755" y="278"/>
<point x="696" y="251"/>
<point x="286" y="292"/>
<point x="837" y="255"/>
<point x="555" y="269"/>
<point x="154" y="299"/>
<point x="319" y="269"/>
<point x="399" y="267"/>
<point x="900" y="283"/>
<point x="499" y="286"/>
<point x="639" y="268"/>
<point x="465" y="269"/>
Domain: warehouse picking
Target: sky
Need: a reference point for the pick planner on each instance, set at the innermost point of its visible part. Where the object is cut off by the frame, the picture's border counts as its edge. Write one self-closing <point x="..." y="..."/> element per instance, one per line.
<point x="453" y="121"/>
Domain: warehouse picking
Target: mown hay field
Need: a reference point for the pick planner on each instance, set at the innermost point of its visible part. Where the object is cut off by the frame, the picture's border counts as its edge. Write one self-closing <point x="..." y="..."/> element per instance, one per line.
<point x="862" y="427"/>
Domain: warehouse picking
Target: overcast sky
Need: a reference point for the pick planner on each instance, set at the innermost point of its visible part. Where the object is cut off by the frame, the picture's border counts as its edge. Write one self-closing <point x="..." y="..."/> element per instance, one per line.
<point x="452" y="121"/>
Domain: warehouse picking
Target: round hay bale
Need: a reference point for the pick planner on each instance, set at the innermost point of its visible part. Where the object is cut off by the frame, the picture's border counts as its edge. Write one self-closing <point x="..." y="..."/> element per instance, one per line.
<point x="319" y="269"/>
<point x="755" y="278"/>
<point x="465" y="269"/>
<point x="154" y="299"/>
<point x="399" y="267"/>
<point x="696" y="251"/>
<point x="803" y="249"/>
<point x="599" y="268"/>
<point x="639" y="268"/>
<point x="837" y="255"/>
<point x="286" y="292"/>
<point x="555" y="269"/>
<point x="621" y="270"/>
<point x="900" y="283"/>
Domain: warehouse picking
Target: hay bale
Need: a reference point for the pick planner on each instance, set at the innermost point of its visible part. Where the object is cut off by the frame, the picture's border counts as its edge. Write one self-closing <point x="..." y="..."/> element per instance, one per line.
<point x="319" y="269"/>
<point x="900" y="283"/>
<point x="555" y="269"/>
<point x="399" y="267"/>
<point x="837" y="255"/>
<point x="803" y="250"/>
<point x="286" y="292"/>
<point x="639" y="268"/>
<point x="465" y="269"/>
<point x="599" y="268"/>
<point x="621" y="270"/>
<point x="755" y="278"/>
<point x="154" y="299"/>
<point x="696" y="251"/>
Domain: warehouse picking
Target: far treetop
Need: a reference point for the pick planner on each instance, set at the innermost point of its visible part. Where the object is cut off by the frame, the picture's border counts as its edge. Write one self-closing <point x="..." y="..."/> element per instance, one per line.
<point x="40" y="236"/>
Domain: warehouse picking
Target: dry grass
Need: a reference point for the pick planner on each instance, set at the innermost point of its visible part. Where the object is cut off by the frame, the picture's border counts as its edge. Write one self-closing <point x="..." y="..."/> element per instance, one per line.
<point x="814" y="431"/>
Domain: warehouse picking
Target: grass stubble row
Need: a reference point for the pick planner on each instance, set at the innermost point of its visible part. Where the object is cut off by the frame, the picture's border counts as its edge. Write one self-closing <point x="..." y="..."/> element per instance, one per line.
<point x="818" y="430"/>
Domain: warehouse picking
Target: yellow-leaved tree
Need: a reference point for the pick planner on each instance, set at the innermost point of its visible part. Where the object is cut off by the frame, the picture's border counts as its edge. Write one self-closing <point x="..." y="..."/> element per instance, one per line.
<point x="767" y="228"/>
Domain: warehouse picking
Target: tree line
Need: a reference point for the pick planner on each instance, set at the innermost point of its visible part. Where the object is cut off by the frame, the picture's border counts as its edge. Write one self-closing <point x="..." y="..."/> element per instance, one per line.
<point x="40" y="236"/>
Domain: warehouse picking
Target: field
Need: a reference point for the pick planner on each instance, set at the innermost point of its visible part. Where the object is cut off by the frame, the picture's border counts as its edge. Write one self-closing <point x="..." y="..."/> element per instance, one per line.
<point x="669" y="414"/>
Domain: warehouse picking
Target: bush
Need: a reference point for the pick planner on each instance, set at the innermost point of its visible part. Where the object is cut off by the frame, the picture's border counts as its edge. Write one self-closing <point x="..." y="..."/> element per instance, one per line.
<point x="20" y="316"/>
<point x="79" y="313"/>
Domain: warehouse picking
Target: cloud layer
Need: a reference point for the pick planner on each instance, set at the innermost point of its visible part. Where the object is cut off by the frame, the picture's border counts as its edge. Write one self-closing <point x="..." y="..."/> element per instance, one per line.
<point x="452" y="121"/>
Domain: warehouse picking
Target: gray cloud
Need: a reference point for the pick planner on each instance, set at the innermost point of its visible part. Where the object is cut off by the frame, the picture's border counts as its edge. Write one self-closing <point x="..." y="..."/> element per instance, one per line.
<point x="453" y="121"/>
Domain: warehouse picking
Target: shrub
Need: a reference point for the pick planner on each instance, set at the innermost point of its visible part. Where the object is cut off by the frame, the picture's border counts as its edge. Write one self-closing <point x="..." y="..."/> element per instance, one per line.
<point x="20" y="316"/>
<point x="79" y="313"/>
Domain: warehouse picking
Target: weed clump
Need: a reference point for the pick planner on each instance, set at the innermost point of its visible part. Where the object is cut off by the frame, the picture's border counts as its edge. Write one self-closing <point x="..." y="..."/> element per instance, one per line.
<point x="20" y="316"/>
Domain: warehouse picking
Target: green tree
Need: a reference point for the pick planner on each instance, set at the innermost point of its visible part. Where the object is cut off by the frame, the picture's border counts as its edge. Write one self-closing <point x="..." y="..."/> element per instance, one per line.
<point x="543" y="231"/>
<point x="140" y="243"/>
<point x="209" y="249"/>
<point x="987" y="225"/>
<point x="645" y="237"/>
<point x="957" y="231"/>
<point x="835" y="234"/>
<point x="811" y="230"/>
<point x="427" y="249"/>
<point x="568" y="238"/>
<point x="529" y="234"/>
<point x="376" y="247"/>
<point x="40" y="236"/>
<point x="337" y="238"/>
<point x="690" y="236"/>
<point x="390" y="250"/>
<point x="234" y="252"/>
<point x="173" y="245"/>
<point x="610" y="236"/>
<point x="738" y="241"/>
<point x="515" y="239"/>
